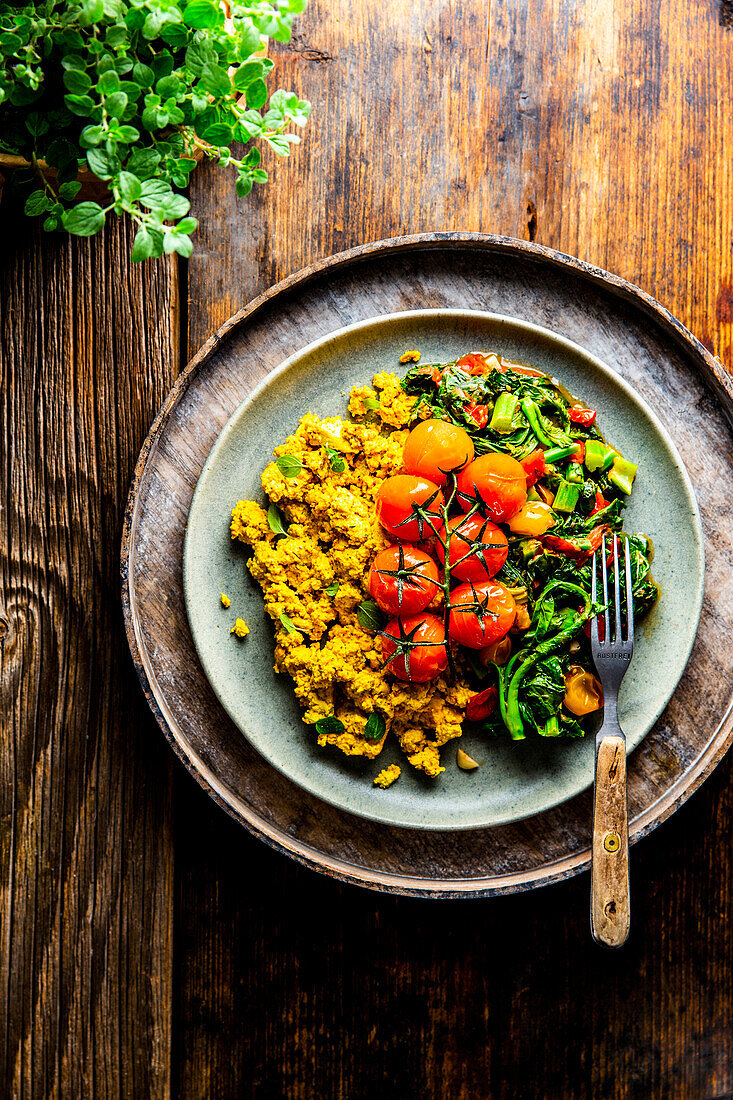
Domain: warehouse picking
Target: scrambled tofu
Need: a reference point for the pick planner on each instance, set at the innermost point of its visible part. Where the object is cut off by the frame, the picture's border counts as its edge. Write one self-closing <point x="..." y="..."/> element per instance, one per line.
<point x="240" y="629"/>
<point x="332" y="537"/>
<point x="388" y="776"/>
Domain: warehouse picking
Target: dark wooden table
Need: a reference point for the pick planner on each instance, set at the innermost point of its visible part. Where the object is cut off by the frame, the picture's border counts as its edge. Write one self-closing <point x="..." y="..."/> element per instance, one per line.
<point x="150" y="948"/>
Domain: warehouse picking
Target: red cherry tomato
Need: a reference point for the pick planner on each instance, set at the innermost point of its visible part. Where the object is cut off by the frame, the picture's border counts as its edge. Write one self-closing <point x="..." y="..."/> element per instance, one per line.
<point x="580" y="415"/>
<point x="397" y="501"/>
<point x="579" y="455"/>
<point x="403" y="580"/>
<point x="497" y="481"/>
<point x="533" y="466"/>
<point x="481" y="613"/>
<point x="475" y="363"/>
<point x="478" y="546"/>
<point x="601" y="502"/>
<point x="434" y="373"/>
<point x="479" y="414"/>
<point x="414" y="647"/>
<point x="596" y="537"/>
<point x="436" y="448"/>
<point x="570" y="549"/>
<point x="483" y="705"/>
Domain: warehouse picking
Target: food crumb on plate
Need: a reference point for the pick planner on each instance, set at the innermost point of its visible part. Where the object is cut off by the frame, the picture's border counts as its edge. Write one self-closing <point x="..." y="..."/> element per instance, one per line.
<point x="410" y="356"/>
<point x="240" y="629"/>
<point x="388" y="776"/>
<point x="225" y="601"/>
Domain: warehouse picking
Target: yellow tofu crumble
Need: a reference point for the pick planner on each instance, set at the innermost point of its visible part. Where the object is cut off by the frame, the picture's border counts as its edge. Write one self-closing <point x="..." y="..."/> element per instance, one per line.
<point x="240" y="629"/>
<point x="388" y="776"/>
<point x="410" y="356"/>
<point x="333" y="536"/>
<point x="225" y="601"/>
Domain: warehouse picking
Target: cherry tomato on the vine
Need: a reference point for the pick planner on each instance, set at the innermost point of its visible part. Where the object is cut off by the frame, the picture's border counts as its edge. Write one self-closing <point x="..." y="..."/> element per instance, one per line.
<point x="397" y="501"/>
<point x="497" y="482"/>
<point x="414" y="647"/>
<point x="477" y="548"/>
<point x="403" y="580"/>
<point x="481" y="613"/>
<point x="436" y="448"/>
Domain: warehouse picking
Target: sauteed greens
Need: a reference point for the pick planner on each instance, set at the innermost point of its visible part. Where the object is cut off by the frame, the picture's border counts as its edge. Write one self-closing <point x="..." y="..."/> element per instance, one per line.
<point x="538" y="678"/>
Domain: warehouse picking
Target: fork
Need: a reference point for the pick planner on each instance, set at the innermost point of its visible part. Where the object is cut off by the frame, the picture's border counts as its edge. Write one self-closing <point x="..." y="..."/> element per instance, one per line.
<point x="610" y="913"/>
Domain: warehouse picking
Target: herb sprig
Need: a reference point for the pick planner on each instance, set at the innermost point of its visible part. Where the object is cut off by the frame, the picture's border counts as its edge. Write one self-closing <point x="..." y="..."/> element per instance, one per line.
<point x="131" y="89"/>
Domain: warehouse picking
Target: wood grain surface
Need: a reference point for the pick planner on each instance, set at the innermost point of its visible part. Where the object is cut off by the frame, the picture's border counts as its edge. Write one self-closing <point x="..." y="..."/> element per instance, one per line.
<point x="87" y="851"/>
<point x="600" y="128"/>
<point x="610" y="914"/>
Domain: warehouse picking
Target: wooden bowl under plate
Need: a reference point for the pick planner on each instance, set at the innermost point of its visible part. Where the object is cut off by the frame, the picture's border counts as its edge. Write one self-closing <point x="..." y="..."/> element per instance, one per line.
<point x="687" y="389"/>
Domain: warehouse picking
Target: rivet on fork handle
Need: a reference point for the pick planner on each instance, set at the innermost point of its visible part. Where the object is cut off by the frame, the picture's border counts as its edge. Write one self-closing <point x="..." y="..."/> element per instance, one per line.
<point x="610" y="909"/>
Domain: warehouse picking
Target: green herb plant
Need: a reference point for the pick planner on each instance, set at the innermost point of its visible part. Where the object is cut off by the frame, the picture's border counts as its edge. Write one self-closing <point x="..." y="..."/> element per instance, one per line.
<point x="132" y="89"/>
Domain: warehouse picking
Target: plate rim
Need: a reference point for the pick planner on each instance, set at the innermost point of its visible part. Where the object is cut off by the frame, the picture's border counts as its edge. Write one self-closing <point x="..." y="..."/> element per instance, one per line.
<point x="714" y="376"/>
<point x="386" y="320"/>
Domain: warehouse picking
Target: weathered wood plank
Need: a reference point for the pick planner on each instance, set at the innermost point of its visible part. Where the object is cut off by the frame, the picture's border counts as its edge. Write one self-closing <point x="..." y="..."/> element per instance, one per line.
<point x="89" y="348"/>
<point x="596" y="128"/>
<point x="293" y="986"/>
<point x="600" y="129"/>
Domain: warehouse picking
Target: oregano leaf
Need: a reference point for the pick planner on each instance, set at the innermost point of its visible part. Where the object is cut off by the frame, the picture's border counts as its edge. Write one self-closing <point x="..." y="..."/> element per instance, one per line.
<point x="331" y="725"/>
<point x="84" y="220"/>
<point x="369" y="615"/>
<point x="375" y="728"/>
<point x="287" y="623"/>
<point x="275" y="521"/>
<point x="289" y="465"/>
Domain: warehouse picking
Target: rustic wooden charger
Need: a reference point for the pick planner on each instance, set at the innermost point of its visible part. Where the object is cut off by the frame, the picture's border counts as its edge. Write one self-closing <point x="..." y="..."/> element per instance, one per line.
<point x="686" y="387"/>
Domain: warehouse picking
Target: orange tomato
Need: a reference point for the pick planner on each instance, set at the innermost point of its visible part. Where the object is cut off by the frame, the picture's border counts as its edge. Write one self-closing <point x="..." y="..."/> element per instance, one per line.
<point x="583" y="691"/>
<point x="533" y="518"/>
<point x="435" y="449"/>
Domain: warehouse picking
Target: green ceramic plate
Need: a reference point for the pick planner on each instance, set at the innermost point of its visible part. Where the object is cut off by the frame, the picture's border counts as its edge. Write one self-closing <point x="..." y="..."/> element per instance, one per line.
<point x="517" y="779"/>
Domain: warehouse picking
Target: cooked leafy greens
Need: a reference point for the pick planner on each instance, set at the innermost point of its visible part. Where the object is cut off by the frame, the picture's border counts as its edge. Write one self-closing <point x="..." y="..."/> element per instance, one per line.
<point x="510" y="408"/>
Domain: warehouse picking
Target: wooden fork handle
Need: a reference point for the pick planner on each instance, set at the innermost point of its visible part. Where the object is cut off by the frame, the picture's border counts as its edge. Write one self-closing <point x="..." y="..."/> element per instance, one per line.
<point x="610" y="913"/>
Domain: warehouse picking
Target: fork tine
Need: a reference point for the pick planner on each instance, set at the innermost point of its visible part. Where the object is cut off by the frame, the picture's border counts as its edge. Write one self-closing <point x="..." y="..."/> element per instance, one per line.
<point x="629" y="595"/>
<point x="593" y="595"/>
<point x="604" y="571"/>
<point x="616" y="593"/>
